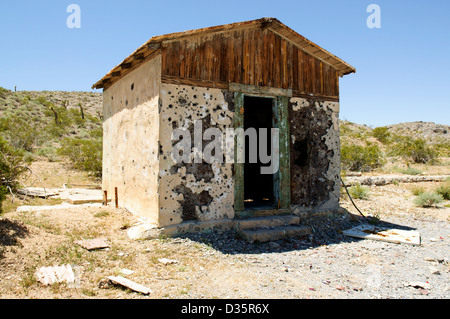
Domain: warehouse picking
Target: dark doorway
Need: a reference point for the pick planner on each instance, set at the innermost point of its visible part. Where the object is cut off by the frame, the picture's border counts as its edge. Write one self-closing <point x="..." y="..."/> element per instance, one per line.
<point x="258" y="188"/>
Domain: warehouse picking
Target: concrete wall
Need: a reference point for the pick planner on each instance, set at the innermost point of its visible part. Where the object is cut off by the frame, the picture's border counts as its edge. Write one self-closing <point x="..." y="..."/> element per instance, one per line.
<point x="140" y="115"/>
<point x="315" y="154"/>
<point x="130" y="144"/>
<point x="193" y="191"/>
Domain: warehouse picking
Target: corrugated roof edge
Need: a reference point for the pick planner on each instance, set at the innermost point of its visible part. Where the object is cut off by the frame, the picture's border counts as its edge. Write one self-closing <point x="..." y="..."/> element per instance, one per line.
<point x="152" y="47"/>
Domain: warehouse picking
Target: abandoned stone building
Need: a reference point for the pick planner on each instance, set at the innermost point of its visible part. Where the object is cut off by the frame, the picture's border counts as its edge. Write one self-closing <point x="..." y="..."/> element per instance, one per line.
<point x="258" y="74"/>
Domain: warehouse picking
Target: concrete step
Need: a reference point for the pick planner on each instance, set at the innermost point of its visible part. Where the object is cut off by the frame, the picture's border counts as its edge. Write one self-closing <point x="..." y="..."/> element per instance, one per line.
<point x="265" y="234"/>
<point x="266" y="221"/>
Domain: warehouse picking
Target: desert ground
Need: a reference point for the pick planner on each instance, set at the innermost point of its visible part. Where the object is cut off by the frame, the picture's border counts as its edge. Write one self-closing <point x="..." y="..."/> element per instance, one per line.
<point x="326" y="264"/>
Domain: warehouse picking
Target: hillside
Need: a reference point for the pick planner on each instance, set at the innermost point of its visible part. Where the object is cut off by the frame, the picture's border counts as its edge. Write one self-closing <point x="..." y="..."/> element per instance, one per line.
<point x="46" y="122"/>
<point x="429" y="131"/>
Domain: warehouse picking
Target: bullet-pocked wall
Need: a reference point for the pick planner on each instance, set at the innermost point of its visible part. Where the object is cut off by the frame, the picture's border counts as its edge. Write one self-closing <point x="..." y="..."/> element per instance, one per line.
<point x="315" y="154"/>
<point x="193" y="191"/>
<point x="130" y="139"/>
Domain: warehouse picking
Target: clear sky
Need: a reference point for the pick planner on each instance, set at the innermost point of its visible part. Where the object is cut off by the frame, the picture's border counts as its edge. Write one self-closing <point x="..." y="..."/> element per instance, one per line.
<point x="402" y="67"/>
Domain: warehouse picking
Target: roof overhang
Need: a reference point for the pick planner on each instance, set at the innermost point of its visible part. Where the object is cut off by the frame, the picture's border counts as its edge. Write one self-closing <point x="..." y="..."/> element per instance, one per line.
<point x="152" y="47"/>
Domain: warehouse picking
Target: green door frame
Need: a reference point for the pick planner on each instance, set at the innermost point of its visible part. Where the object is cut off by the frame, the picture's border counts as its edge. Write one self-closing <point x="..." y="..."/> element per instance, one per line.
<point x="282" y="190"/>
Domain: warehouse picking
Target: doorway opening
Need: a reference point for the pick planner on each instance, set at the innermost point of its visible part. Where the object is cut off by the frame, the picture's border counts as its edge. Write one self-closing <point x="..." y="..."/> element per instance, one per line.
<point x="258" y="188"/>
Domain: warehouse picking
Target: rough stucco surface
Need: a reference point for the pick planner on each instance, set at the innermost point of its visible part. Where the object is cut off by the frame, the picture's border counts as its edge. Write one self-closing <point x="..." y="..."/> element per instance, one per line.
<point x="315" y="154"/>
<point x="140" y="115"/>
<point x="193" y="191"/>
<point x="130" y="144"/>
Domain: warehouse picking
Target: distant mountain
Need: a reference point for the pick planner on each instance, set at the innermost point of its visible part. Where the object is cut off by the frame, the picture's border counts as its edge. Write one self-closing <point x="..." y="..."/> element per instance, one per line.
<point x="429" y="131"/>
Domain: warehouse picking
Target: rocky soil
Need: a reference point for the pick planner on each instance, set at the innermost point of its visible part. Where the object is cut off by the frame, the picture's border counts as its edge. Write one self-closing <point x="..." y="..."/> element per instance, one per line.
<point x="326" y="264"/>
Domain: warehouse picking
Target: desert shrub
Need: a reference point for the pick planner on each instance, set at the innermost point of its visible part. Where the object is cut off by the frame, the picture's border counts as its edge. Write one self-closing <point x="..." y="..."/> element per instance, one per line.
<point x="4" y="92"/>
<point x="19" y="133"/>
<point x="428" y="199"/>
<point x="410" y="171"/>
<point x="415" y="149"/>
<point x="85" y="154"/>
<point x="359" y="192"/>
<point x="49" y="152"/>
<point x="382" y="134"/>
<point x="444" y="190"/>
<point x="361" y="158"/>
<point x="417" y="190"/>
<point x="12" y="164"/>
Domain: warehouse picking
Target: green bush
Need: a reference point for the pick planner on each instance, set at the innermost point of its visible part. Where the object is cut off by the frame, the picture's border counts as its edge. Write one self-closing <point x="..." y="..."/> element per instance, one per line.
<point x="410" y="171"/>
<point x="359" y="192"/>
<point x="415" y="149"/>
<point x="4" y="92"/>
<point x="18" y="132"/>
<point x="382" y="134"/>
<point x="361" y="158"/>
<point x="85" y="154"/>
<point x="12" y="164"/>
<point x="428" y="199"/>
<point x="444" y="190"/>
<point x="417" y="190"/>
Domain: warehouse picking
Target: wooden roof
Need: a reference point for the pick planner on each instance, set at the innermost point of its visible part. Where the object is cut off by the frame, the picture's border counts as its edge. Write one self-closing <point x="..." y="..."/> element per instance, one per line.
<point x="152" y="48"/>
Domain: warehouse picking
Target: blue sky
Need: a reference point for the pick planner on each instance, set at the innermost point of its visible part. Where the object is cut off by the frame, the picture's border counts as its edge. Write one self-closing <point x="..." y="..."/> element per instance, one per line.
<point x="402" y="68"/>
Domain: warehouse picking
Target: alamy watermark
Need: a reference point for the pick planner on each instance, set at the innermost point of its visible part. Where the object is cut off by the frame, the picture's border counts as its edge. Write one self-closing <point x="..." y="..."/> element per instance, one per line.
<point x="223" y="146"/>
<point x="374" y="19"/>
<point x="74" y="19"/>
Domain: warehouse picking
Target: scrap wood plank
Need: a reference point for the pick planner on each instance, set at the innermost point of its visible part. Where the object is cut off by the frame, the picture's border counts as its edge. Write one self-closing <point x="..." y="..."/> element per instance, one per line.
<point x="391" y="235"/>
<point x="130" y="284"/>
<point x="92" y="244"/>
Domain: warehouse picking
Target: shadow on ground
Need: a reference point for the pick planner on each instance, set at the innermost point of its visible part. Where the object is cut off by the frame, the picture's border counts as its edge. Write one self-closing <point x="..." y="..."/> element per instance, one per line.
<point x="11" y="231"/>
<point x="326" y="231"/>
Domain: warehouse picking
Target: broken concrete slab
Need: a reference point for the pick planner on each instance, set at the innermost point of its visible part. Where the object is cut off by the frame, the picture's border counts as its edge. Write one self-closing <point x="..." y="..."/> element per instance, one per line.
<point x="77" y="196"/>
<point x="38" y="192"/>
<point x="118" y="280"/>
<point x="390" y="235"/>
<point x="57" y="274"/>
<point x="93" y="244"/>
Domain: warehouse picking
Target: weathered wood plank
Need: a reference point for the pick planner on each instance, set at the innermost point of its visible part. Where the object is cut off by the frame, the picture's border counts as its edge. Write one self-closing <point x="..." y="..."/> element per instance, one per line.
<point x="390" y="235"/>
<point x="284" y="169"/>
<point x="251" y="57"/>
<point x="259" y="90"/>
<point x="130" y="284"/>
<point x="193" y="82"/>
<point x="238" y="167"/>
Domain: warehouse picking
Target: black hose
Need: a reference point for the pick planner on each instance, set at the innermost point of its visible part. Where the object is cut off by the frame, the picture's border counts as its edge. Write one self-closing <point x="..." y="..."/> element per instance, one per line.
<point x="351" y="198"/>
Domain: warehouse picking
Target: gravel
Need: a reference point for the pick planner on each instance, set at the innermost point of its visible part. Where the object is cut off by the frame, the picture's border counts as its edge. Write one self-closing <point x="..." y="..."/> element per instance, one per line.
<point x="328" y="264"/>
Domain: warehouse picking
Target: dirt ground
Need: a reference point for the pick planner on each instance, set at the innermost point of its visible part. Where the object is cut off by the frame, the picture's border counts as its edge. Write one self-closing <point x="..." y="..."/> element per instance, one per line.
<point x="326" y="264"/>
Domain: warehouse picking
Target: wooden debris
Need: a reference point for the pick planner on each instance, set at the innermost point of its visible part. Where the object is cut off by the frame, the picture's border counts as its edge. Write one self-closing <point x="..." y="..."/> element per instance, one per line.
<point x="118" y="280"/>
<point x="92" y="244"/>
<point x="396" y="236"/>
<point x="418" y="285"/>
<point x="57" y="274"/>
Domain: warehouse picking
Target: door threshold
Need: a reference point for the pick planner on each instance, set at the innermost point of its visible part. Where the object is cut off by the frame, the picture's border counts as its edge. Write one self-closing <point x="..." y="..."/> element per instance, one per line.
<point x="261" y="211"/>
